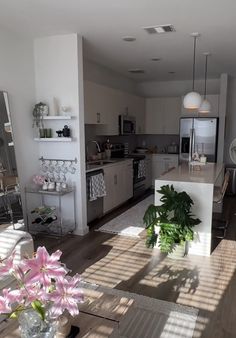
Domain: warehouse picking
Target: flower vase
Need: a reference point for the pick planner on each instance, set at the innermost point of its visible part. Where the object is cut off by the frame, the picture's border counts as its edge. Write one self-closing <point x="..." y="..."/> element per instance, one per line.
<point x="32" y="326"/>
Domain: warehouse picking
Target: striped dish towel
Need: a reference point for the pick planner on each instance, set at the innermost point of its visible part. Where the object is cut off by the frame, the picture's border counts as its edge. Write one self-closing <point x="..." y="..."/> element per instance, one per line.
<point x="96" y="187"/>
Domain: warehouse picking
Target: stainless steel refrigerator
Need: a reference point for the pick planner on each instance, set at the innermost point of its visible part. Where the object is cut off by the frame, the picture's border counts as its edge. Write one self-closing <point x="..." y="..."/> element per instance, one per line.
<point x="200" y="135"/>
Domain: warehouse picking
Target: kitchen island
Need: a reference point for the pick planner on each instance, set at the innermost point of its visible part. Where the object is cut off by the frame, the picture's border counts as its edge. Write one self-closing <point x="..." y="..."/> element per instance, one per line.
<point x="199" y="184"/>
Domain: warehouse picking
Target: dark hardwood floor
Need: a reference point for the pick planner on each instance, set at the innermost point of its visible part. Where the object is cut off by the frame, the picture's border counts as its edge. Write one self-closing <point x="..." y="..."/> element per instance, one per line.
<point x="207" y="283"/>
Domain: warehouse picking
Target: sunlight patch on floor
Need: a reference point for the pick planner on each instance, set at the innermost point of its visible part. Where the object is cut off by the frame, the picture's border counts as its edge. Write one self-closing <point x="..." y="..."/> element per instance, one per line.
<point x="193" y="284"/>
<point x="117" y="266"/>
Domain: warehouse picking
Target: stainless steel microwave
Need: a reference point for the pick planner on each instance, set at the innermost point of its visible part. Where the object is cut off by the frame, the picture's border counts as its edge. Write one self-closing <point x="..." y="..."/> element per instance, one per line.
<point x="127" y="125"/>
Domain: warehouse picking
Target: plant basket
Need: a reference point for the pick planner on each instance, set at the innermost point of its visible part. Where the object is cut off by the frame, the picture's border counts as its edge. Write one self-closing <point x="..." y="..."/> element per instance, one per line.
<point x="178" y="252"/>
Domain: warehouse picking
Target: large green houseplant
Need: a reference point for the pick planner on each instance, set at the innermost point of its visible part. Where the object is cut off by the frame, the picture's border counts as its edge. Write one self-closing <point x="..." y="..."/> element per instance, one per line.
<point x="173" y="219"/>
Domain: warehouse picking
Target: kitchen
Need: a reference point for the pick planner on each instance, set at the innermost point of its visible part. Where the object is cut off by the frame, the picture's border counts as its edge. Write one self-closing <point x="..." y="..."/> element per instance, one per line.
<point x="66" y="68"/>
<point x="155" y="138"/>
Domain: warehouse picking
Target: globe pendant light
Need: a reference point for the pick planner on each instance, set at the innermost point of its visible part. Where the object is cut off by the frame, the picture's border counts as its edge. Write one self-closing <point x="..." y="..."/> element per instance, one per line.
<point x="205" y="105"/>
<point x="193" y="99"/>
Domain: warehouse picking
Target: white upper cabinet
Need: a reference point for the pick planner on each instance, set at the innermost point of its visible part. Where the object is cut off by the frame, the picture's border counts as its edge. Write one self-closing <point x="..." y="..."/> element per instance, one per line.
<point x="95" y="111"/>
<point x="214" y="101"/>
<point x="136" y="108"/>
<point x="102" y="106"/>
<point x="162" y="115"/>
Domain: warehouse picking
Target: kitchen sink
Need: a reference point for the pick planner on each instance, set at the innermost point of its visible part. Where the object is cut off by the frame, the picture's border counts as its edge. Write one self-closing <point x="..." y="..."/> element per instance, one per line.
<point x="93" y="164"/>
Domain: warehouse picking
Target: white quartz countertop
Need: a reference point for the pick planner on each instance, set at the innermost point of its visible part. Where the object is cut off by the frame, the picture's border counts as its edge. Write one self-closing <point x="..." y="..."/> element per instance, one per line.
<point x="208" y="173"/>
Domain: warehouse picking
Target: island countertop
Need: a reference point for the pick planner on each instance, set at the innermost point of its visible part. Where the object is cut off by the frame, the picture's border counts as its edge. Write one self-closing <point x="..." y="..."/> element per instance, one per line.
<point x="208" y="173"/>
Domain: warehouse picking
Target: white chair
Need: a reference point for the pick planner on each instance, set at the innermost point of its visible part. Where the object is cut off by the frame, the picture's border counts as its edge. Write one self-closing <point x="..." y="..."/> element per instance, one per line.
<point x="220" y="224"/>
<point x="13" y="240"/>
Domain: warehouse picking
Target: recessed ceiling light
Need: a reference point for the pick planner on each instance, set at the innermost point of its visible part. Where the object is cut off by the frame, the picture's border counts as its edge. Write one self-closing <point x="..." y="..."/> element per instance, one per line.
<point x="159" y="29"/>
<point x="156" y="59"/>
<point x="129" y="38"/>
<point x="136" y="71"/>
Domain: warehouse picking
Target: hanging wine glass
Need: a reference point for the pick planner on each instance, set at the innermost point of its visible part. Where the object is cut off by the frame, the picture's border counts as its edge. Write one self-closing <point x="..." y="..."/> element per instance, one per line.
<point x="44" y="166"/>
<point x="71" y="168"/>
<point x="63" y="177"/>
<point x="51" y="167"/>
<point x="57" y="167"/>
<point x="64" y="168"/>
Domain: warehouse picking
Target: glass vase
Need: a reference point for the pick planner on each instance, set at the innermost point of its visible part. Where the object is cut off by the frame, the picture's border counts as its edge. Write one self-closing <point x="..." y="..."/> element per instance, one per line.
<point x="32" y="326"/>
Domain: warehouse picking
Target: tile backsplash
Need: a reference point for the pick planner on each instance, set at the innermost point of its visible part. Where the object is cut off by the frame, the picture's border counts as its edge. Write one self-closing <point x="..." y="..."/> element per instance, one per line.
<point x="149" y="141"/>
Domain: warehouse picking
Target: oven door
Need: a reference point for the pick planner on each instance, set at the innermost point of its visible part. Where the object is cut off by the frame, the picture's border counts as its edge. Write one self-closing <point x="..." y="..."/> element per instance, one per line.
<point x="137" y="177"/>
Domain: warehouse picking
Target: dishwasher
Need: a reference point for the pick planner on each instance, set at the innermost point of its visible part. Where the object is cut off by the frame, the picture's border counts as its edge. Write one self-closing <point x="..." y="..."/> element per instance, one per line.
<point x="94" y="208"/>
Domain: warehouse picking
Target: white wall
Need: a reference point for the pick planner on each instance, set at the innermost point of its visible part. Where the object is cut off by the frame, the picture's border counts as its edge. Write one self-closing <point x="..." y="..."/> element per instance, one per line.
<point x="176" y="88"/>
<point x="102" y="75"/>
<point x="59" y="78"/>
<point x="17" y="78"/>
<point x="230" y="118"/>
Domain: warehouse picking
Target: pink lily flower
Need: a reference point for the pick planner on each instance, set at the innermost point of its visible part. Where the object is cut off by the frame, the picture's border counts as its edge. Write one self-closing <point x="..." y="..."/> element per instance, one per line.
<point x="6" y="265"/>
<point x="13" y="296"/>
<point x="5" y="301"/>
<point x="44" y="267"/>
<point x="66" y="296"/>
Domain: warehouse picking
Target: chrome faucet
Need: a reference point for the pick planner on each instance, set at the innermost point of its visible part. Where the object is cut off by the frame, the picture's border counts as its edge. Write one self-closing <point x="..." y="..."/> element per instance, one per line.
<point x="97" y="145"/>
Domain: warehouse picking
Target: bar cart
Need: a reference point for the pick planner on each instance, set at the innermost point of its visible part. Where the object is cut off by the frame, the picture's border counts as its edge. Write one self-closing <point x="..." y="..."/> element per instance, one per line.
<point x="58" y="223"/>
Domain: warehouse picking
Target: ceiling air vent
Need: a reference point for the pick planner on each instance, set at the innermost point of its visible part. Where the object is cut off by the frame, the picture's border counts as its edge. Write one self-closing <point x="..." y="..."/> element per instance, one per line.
<point x="160" y="29"/>
<point x="136" y="71"/>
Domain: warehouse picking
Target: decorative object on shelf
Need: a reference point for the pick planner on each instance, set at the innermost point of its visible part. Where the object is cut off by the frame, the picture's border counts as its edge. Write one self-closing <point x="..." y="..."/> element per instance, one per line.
<point x="205" y="105"/>
<point x="66" y="110"/>
<point x="39" y="179"/>
<point x="55" y="106"/>
<point x="48" y="132"/>
<point x="42" y="132"/>
<point x="108" y="146"/>
<point x="58" y="186"/>
<point x="196" y="156"/>
<point x="45" y="184"/>
<point x="66" y="131"/>
<point x="45" y="132"/>
<point x="193" y="99"/>
<point x="59" y="133"/>
<point x="44" y="292"/>
<point x="40" y="110"/>
<point x="171" y="221"/>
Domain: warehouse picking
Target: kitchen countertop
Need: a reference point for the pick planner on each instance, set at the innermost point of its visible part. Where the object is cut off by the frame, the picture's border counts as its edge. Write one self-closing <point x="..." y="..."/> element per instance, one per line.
<point x="208" y="173"/>
<point x="92" y="167"/>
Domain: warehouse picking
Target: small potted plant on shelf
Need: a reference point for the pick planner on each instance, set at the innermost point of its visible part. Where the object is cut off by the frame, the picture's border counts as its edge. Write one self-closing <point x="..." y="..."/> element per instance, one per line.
<point x="170" y="225"/>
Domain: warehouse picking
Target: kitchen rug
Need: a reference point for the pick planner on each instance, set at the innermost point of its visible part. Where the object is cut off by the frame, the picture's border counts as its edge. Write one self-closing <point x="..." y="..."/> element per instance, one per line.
<point x="147" y="317"/>
<point x="130" y="222"/>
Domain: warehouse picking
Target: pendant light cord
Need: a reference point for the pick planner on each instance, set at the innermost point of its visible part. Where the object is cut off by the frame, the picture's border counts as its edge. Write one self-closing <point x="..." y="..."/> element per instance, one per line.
<point x="205" y="91"/>
<point x="194" y="58"/>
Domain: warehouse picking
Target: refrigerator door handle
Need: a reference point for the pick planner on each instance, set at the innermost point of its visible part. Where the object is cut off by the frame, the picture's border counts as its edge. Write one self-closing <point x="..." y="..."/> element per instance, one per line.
<point x="193" y="141"/>
<point x="190" y="145"/>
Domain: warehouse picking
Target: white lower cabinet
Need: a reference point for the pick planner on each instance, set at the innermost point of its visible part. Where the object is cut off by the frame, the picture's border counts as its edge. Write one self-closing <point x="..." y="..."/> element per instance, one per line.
<point x="162" y="163"/>
<point x="119" y="184"/>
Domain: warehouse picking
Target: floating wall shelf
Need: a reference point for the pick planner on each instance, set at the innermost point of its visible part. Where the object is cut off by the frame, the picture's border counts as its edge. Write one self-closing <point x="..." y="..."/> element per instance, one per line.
<point x="54" y="139"/>
<point x="57" y="117"/>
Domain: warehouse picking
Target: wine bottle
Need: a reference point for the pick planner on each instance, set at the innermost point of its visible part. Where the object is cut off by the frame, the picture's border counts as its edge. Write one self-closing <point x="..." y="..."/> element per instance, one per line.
<point x="37" y="220"/>
<point x="49" y="220"/>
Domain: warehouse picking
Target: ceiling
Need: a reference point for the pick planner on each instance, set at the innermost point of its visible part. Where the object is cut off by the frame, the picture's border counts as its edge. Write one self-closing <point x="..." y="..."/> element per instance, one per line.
<point x="103" y="23"/>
